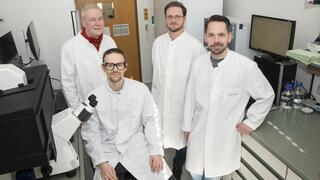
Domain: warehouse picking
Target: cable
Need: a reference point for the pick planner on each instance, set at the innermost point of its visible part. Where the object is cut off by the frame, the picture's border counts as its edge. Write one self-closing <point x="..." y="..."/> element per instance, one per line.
<point x="55" y="79"/>
<point x="30" y="61"/>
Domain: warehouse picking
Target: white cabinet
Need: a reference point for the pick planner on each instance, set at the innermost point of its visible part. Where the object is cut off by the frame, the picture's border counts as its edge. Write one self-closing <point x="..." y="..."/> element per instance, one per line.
<point x="292" y="176"/>
<point x="236" y="176"/>
<point x="259" y="163"/>
<point x="247" y="173"/>
<point x="270" y="160"/>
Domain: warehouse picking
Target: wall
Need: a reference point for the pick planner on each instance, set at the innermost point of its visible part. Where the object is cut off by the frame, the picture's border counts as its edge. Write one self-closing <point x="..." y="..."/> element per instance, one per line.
<point x="52" y="28"/>
<point x="197" y="11"/>
<point x="146" y="37"/>
<point x="307" y="23"/>
<point x="159" y="16"/>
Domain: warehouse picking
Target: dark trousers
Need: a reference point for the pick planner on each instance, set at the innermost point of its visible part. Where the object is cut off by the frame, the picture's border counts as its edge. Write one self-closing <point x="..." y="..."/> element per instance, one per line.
<point x="178" y="162"/>
<point x="124" y="174"/>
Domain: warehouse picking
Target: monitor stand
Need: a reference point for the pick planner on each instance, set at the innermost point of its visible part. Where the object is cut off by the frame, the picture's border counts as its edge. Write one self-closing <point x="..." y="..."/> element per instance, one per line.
<point x="274" y="58"/>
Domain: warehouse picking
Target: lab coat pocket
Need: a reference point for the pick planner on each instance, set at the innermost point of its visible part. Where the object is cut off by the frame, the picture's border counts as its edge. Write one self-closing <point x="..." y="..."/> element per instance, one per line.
<point x="231" y="96"/>
<point x="135" y="121"/>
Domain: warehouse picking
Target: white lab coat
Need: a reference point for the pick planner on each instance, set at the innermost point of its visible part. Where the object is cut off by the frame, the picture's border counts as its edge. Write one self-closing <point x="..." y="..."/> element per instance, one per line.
<point x="171" y="67"/>
<point x="81" y="70"/>
<point x="126" y="129"/>
<point x="215" y="102"/>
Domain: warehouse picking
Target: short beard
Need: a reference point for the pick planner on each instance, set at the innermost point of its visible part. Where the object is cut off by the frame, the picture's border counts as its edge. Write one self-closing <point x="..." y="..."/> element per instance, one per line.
<point x="219" y="52"/>
<point x="175" y="30"/>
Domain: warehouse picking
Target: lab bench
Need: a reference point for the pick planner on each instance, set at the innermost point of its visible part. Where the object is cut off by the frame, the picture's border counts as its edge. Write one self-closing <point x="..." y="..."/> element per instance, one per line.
<point x="285" y="146"/>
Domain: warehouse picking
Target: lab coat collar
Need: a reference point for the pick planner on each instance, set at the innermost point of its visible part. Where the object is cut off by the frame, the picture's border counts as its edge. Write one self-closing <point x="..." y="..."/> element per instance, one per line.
<point x="177" y="38"/>
<point x="87" y="41"/>
<point x="224" y="62"/>
<point x="122" y="90"/>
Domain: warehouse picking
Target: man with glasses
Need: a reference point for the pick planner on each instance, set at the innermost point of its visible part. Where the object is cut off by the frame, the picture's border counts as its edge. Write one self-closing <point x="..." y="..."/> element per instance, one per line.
<point x="123" y="138"/>
<point x="81" y="56"/>
<point x="172" y="56"/>
<point x="80" y="61"/>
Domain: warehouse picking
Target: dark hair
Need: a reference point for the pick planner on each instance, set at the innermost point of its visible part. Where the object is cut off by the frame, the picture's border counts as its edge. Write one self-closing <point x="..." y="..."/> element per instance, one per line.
<point x="217" y="18"/>
<point x="113" y="50"/>
<point x="176" y="4"/>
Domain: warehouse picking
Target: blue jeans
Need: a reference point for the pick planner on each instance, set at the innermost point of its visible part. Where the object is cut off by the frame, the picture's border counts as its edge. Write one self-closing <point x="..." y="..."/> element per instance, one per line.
<point x="201" y="177"/>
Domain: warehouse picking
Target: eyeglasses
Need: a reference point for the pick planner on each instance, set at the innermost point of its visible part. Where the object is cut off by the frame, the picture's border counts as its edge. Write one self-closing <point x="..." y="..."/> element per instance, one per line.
<point x="176" y="18"/>
<point x="110" y="66"/>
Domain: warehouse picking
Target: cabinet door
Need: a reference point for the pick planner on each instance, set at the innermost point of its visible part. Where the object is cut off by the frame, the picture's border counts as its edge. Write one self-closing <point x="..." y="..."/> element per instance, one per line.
<point x="247" y="174"/>
<point x="292" y="176"/>
<point x="236" y="176"/>
<point x="264" y="154"/>
<point x="258" y="166"/>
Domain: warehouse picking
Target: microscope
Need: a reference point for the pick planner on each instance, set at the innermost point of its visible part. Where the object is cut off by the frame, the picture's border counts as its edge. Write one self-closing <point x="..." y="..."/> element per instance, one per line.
<point x="31" y="135"/>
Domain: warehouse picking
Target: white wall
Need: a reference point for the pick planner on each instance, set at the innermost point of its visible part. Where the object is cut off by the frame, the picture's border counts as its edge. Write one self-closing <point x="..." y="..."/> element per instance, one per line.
<point x="307" y="22"/>
<point x="146" y="37"/>
<point x="197" y="11"/>
<point x="160" y="26"/>
<point x="52" y="21"/>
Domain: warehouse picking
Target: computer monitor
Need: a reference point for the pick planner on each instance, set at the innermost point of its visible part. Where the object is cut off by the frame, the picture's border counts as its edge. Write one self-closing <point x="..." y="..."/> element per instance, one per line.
<point x="272" y="36"/>
<point x="8" y="49"/>
<point x="33" y="40"/>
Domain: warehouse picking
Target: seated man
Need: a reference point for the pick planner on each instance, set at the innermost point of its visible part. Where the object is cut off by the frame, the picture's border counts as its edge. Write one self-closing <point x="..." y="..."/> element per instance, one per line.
<point x="124" y="138"/>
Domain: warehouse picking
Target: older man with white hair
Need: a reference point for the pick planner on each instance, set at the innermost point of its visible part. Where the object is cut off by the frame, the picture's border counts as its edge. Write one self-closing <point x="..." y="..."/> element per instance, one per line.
<point x="81" y="57"/>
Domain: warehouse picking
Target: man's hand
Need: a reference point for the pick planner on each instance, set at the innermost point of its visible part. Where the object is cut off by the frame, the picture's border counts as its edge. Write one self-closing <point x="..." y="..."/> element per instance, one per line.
<point x="107" y="171"/>
<point x="156" y="163"/>
<point x="243" y="128"/>
<point x="186" y="135"/>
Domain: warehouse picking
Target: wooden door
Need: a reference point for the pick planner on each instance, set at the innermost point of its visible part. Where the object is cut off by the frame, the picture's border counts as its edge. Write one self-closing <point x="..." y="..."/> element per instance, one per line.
<point x="123" y="28"/>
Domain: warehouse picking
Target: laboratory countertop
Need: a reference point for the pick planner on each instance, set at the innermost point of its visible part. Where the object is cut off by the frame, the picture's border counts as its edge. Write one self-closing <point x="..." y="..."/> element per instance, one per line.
<point x="293" y="137"/>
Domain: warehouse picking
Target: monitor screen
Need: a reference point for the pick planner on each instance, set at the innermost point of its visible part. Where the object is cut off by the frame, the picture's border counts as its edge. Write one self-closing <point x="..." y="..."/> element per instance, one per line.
<point x="271" y="35"/>
<point x="33" y="40"/>
<point x="8" y="49"/>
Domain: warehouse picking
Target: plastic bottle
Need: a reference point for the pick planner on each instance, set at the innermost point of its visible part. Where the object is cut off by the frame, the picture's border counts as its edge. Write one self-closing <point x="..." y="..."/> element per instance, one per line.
<point x="299" y="94"/>
<point x="287" y="97"/>
<point x="317" y="107"/>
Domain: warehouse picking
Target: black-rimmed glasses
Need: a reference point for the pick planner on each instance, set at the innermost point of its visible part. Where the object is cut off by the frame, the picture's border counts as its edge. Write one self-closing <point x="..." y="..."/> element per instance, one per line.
<point x="110" y="66"/>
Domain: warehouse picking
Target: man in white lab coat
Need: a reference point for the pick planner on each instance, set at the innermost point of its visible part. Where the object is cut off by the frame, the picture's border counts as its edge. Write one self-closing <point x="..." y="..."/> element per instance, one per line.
<point x="172" y="56"/>
<point x="221" y="83"/>
<point x="123" y="138"/>
<point x="81" y="57"/>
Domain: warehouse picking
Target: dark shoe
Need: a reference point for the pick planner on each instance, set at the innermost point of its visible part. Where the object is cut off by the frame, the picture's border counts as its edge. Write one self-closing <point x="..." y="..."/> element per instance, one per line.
<point x="177" y="173"/>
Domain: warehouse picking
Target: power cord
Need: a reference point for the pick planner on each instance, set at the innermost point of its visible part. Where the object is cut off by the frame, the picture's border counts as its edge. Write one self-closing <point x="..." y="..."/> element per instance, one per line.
<point x="30" y="61"/>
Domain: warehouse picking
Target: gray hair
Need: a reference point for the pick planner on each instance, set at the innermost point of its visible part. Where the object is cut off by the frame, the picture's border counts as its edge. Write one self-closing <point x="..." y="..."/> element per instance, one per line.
<point x="87" y="7"/>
